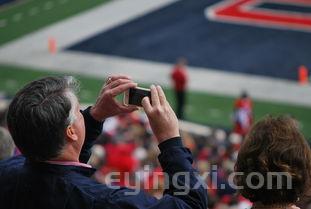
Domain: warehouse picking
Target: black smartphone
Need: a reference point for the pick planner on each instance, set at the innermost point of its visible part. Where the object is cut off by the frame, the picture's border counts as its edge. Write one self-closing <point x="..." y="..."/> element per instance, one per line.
<point x="133" y="96"/>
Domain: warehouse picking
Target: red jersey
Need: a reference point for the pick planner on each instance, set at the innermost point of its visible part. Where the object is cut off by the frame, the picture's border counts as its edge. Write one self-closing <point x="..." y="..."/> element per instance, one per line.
<point x="180" y="78"/>
<point x="244" y="103"/>
<point x="243" y="117"/>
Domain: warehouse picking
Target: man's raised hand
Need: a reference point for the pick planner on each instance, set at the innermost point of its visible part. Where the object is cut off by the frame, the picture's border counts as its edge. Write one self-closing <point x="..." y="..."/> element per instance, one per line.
<point x="162" y="118"/>
<point x="106" y="104"/>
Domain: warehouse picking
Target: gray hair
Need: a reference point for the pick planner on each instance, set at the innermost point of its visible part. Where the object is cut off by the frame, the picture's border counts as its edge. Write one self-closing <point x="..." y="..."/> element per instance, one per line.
<point x="39" y="115"/>
<point x="73" y="89"/>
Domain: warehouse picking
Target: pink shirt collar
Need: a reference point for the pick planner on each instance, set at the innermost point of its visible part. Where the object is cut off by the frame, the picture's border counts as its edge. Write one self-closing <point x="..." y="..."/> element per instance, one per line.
<point x="72" y="163"/>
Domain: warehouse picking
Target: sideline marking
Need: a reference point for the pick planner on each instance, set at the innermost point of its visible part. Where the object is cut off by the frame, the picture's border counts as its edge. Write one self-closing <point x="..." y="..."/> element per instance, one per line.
<point x="33" y="11"/>
<point x="3" y="23"/>
<point x="48" y="5"/>
<point x="247" y="12"/>
<point x="17" y="17"/>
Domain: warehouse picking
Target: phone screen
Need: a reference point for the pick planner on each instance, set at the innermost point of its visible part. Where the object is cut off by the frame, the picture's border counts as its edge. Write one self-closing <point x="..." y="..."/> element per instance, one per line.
<point x="137" y="94"/>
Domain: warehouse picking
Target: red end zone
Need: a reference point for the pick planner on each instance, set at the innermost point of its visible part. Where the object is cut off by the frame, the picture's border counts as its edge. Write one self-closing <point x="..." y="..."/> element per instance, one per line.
<point x="246" y="12"/>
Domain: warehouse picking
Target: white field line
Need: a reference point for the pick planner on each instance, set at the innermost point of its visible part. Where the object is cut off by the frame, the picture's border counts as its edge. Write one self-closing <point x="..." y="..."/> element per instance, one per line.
<point x="32" y="51"/>
<point x="31" y="12"/>
<point x="13" y="4"/>
<point x="151" y="72"/>
<point x="3" y="23"/>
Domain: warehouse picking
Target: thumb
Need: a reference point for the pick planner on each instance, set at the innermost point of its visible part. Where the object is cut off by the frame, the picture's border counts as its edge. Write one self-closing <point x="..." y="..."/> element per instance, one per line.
<point x="146" y="104"/>
<point x="128" y="109"/>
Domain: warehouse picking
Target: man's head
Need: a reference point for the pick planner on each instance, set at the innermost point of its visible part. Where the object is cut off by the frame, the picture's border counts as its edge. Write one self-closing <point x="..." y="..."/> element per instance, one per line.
<point x="44" y="116"/>
<point x="274" y="145"/>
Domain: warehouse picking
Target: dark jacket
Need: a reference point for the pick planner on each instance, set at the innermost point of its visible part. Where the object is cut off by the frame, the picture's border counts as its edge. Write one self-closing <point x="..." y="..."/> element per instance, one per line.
<point x="39" y="185"/>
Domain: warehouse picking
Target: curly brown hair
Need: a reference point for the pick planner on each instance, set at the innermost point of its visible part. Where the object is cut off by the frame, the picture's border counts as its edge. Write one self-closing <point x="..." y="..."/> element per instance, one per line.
<point x="274" y="144"/>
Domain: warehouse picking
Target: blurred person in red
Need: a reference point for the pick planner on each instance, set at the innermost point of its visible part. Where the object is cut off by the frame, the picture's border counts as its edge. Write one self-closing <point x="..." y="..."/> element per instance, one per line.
<point x="120" y="159"/>
<point x="243" y="114"/>
<point x="180" y="79"/>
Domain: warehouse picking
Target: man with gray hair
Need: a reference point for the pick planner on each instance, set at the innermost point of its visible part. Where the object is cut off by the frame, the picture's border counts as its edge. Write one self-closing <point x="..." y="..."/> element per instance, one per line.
<point x="55" y="138"/>
<point x="6" y="144"/>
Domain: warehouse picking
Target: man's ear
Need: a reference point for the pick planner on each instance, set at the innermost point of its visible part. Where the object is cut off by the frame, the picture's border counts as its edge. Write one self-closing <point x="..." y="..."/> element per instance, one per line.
<point x="71" y="133"/>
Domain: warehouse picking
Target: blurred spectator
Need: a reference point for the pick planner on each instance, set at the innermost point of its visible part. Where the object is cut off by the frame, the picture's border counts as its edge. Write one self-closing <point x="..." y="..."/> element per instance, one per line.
<point x="4" y="103"/>
<point x="6" y="144"/>
<point x="3" y="118"/>
<point x="180" y="79"/>
<point x="243" y="114"/>
<point x="97" y="157"/>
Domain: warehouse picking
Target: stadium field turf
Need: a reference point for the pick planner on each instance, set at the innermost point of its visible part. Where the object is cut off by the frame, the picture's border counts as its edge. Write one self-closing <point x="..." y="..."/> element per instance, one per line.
<point x="18" y="19"/>
<point x="27" y="16"/>
<point x="203" y="108"/>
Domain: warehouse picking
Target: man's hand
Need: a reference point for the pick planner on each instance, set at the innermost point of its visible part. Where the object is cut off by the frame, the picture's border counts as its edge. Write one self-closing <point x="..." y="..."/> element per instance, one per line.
<point x="162" y="118"/>
<point x="106" y="104"/>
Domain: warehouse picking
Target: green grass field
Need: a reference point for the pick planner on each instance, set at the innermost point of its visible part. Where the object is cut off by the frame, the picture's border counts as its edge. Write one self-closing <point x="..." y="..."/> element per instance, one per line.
<point x="202" y="108"/>
<point x="29" y="15"/>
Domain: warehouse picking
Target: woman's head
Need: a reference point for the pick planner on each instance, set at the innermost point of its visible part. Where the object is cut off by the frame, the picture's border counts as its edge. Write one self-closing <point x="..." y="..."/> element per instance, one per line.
<point x="275" y="162"/>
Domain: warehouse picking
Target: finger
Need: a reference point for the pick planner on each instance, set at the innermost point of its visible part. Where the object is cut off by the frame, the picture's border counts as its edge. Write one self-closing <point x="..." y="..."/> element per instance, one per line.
<point x="108" y="80"/>
<point x="116" y="77"/>
<point x="122" y="88"/>
<point x="111" y="84"/>
<point x="154" y="96"/>
<point x="118" y="82"/>
<point x="146" y="104"/>
<point x="128" y="109"/>
<point x="161" y="95"/>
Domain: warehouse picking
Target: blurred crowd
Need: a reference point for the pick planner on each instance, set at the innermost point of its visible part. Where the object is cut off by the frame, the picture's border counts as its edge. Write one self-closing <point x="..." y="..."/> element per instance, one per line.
<point x="127" y="148"/>
<point x="7" y="147"/>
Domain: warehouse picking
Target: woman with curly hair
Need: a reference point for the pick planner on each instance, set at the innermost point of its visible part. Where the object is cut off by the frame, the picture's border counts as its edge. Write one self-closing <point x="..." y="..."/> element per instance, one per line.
<point x="273" y="169"/>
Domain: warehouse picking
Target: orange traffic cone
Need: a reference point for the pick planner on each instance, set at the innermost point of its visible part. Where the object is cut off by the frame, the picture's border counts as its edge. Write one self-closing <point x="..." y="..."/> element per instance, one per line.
<point x="52" y="45"/>
<point x="303" y="76"/>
